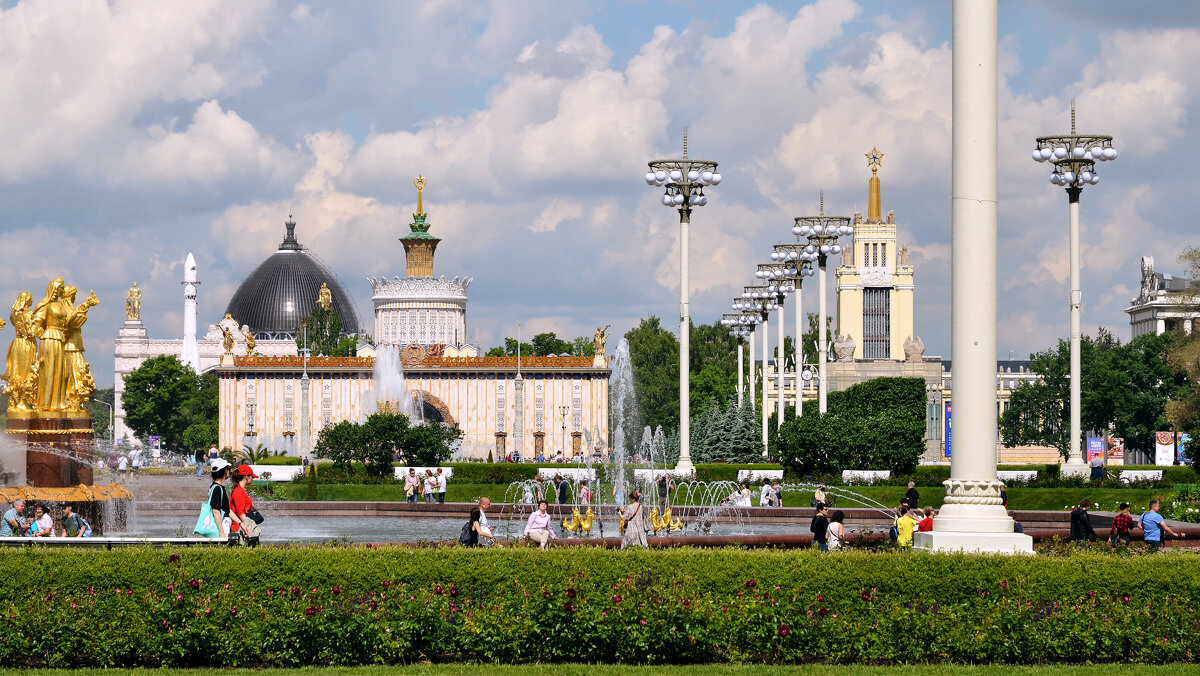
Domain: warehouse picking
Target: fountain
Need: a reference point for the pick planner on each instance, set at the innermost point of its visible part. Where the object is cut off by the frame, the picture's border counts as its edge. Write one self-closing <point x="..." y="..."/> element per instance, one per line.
<point x="388" y="391"/>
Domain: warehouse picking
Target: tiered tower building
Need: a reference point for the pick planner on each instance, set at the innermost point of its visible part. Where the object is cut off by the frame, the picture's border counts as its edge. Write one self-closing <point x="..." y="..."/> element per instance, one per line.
<point x="419" y="308"/>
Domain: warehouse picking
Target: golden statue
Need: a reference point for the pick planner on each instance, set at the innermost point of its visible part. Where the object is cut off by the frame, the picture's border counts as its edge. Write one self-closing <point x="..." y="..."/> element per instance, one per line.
<point x="599" y="338"/>
<point x="227" y="338"/>
<point x="21" y="365"/>
<point x="80" y="384"/>
<point x="133" y="303"/>
<point x="419" y="183"/>
<point x="50" y="324"/>
<point x="250" y="344"/>
<point x="325" y="297"/>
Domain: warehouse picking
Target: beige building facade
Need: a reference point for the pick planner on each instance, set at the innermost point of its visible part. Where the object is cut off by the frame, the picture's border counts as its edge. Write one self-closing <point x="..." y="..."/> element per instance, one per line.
<point x="546" y="405"/>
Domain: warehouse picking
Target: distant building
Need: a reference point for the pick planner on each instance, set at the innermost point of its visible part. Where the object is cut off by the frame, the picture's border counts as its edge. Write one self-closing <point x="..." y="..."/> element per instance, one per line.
<point x="1161" y="304"/>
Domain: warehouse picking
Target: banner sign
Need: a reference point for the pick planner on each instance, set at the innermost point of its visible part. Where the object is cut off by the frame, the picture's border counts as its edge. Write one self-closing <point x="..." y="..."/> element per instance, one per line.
<point x="948" y="430"/>
<point x="1116" y="450"/>
<point x="1164" y="448"/>
<point x="1095" y="446"/>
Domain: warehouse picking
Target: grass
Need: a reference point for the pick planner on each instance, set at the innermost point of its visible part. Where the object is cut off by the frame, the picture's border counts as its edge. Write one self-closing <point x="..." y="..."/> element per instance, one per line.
<point x="690" y="670"/>
<point x="1019" y="498"/>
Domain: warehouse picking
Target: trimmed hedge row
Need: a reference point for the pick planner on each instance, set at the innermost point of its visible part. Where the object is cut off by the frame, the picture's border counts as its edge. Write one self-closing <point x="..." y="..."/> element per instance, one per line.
<point x="351" y="606"/>
<point x="279" y="460"/>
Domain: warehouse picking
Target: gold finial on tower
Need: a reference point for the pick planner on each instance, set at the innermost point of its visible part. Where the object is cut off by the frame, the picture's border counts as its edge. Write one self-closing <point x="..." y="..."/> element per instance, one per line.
<point x="419" y="183"/>
<point x="874" y="199"/>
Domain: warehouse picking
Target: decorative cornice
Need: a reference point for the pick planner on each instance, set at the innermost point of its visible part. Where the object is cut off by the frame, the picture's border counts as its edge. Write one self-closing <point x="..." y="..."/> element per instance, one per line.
<point x="419" y="288"/>
<point x="875" y="276"/>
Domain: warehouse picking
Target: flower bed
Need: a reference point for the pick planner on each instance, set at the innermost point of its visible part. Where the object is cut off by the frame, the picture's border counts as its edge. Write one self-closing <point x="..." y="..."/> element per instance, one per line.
<point x="327" y="605"/>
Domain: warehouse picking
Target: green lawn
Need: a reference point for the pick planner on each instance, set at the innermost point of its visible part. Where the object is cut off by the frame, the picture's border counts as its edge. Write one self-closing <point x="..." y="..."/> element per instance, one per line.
<point x="1019" y="498"/>
<point x="691" y="670"/>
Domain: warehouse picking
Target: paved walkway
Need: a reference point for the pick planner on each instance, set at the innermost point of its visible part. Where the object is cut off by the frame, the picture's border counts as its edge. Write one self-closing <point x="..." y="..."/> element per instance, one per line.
<point x="162" y="487"/>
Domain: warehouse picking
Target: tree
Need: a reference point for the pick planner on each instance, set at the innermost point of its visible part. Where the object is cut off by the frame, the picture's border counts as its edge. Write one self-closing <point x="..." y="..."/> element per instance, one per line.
<point x="654" y="359"/>
<point x="383" y="436"/>
<point x="322" y="329"/>
<point x="583" y="346"/>
<point x="164" y="397"/>
<point x="429" y="444"/>
<point x="341" y="443"/>
<point x="546" y="344"/>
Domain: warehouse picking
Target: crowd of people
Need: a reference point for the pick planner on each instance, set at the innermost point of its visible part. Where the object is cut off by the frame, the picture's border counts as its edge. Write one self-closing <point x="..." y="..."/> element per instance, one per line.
<point x="1153" y="526"/>
<point x="429" y="488"/>
<point x="16" y="523"/>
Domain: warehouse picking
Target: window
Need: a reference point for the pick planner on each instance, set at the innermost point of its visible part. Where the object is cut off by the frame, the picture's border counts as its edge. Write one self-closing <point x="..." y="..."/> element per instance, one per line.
<point x="883" y="254"/>
<point x="877" y="331"/>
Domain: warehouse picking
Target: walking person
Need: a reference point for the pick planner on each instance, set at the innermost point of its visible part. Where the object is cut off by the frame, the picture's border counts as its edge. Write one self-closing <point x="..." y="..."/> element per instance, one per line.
<point x="1153" y="526"/>
<point x="585" y="493"/>
<point x="441" y="479"/>
<point x="776" y="495"/>
<point x="764" y="494"/>
<point x="560" y="489"/>
<point x="820" y="527"/>
<point x="837" y="531"/>
<point x="217" y="502"/>
<point x="538" y="527"/>
<point x="242" y="529"/>
<point x="1118" y="531"/>
<point x="135" y="461"/>
<point x="431" y="487"/>
<point x="635" y="522"/>
<point x="1081" y="525"/>
<point x="913" y="495"/>
<point x="113" y="460"/>
<point x="619" y="493"/>
<point x="199" y="463"/>
<point x="123" y="466"/>
<point x="664" y="486"/>
<point x="411" y="483"/>
<point x="819" y="497"/>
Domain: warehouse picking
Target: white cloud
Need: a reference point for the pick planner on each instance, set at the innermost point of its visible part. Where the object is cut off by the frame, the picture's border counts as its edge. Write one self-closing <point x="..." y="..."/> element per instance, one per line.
<point x="555" y="213"/>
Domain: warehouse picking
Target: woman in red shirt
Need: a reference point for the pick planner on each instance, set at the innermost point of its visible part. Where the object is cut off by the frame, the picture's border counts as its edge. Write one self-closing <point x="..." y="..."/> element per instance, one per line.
<point x="926" y="524"/>
<point x="242" y="528"/>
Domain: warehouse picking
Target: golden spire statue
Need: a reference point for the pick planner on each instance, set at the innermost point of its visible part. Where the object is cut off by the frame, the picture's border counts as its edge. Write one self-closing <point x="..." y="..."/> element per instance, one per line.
<point x="325" y="297"/>
<point x="80" y="384"/>
<point x="133" y="303"/>
<point x="251" y="344"/>
<point x="874" y="199"/>
<point x="419" y="183"/>
<point x="21" y="364"/>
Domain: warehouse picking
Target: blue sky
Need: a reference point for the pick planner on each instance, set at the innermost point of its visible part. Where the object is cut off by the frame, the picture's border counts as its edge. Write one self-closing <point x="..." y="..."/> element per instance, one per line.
<point x="137" y="131"/>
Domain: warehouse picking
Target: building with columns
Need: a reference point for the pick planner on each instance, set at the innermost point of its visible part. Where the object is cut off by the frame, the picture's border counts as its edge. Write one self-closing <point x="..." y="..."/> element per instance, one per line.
<point x="1164" y="303"/>
<point x="875" y="281"/>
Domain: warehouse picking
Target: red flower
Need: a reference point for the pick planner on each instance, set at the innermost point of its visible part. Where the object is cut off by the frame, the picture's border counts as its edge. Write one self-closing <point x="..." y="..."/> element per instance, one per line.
<point x="784" y="630"/>
<point x="617" y="598"/>
<point x="570" y="593"/>
<point x="823" y="612"/>
<point x="337" y="590"/>
<point x="195" y="584"/>
<point x="821" y="598"/>
<point x="750" y="584"/>
<point x="866" y="596"/>
<point x="174" y="558"/>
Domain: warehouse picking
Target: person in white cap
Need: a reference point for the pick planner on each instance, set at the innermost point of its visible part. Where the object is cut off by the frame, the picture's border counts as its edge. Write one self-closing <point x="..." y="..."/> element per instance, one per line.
<point x="218" y="496"/>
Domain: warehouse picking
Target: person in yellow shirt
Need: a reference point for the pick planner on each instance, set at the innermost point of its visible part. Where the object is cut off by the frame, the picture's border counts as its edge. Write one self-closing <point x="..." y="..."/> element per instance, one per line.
<point x="905" y="525"/>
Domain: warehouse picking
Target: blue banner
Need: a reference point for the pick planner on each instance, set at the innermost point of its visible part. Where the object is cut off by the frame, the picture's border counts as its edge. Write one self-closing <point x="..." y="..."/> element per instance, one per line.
<point x="947" y="430"/>
<point x="1095" y="447"/>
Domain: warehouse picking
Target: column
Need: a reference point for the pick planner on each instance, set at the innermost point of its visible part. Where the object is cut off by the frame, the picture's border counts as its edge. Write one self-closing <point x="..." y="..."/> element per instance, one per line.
<point x="973" y="518"/>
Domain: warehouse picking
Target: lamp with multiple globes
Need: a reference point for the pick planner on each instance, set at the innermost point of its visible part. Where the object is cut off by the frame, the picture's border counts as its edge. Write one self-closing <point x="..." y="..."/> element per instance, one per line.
<point x="1074" y="157"/>
<point x="817" y="237"/>
<point x="683" y="182"/>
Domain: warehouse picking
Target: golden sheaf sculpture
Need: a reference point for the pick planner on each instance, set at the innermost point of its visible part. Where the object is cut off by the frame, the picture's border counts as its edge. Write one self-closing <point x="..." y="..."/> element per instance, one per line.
<point x="50" y="376"/>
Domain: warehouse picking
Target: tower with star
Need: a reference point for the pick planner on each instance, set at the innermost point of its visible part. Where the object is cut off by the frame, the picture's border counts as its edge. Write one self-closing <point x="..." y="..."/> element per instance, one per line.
<point x="875" y="281"/>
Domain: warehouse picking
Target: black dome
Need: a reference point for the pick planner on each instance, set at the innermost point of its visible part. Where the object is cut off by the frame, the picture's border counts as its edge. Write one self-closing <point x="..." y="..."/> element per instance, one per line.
<point x="284" y="289"/>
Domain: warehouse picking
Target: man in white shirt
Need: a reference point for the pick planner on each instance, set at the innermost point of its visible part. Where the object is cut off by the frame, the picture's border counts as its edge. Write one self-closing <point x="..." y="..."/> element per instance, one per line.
<point x="441" y="482"/>
<point x="123" y="466"/>
<point x="486" y="537"/>
<point x="135" y="459"/>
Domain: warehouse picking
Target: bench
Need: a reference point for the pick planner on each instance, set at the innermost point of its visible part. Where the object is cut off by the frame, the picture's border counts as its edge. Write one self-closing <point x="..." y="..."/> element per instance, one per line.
<point x="1017" y="475"/>
<point x="401" y="472"/>
<point x="569" y="473"/>
<point x="753" y="475"/>
<point x="1128" y="475"/>
<point x="864" y="476"/>
<point x="278" y="472"/>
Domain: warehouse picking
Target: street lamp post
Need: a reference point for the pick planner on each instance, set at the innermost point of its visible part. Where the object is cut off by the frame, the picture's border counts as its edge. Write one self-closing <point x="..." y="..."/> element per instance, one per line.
<point x="822" y="234"/>
<point x="738" y="328"/>
<point x="756" y="298"/>
<point x="112" y="428"/>
<point x="780" y="279"/>
<point x="562" y="409"/>
<point x="1074" y="157"/>
<point x="684" y="181"/>
<point x="791" y="253"/>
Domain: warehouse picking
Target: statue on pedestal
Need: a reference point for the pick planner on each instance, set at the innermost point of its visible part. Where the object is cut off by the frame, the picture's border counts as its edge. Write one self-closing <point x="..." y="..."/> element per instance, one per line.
<point x="914" y="349"/>
<point x="80" y="384"/>
<point x="325" y="297"/>
<point x="843" y="347"/>
<point x="599" y="338"/>
<point x="21" y="364"/>
<point x="50" y="324"/>
<point x="133" y="304"/>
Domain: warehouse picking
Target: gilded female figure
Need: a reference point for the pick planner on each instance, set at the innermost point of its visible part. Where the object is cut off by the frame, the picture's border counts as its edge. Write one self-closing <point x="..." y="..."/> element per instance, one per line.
<point x="80" y="384"/>
<point x="50" y="324"/>
<point x="21" y="365"/>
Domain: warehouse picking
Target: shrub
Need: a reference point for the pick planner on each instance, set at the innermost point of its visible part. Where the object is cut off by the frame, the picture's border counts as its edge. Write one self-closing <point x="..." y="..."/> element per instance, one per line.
<point x="729" y="472"/>
<point x="356" y="605"/>
<point x="280" y="460"/>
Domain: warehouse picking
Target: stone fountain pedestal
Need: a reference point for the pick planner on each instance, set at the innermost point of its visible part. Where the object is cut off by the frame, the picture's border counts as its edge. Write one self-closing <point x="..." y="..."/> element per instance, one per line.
<point x="58" y="449"/>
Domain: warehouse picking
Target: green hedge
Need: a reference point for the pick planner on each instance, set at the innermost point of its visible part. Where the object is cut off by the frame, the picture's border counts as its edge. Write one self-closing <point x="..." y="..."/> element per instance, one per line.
<point x="279" y="460"/>
<point x="353" y="606"/>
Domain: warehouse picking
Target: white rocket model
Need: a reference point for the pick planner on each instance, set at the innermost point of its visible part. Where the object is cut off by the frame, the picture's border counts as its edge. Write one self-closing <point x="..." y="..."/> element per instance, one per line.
<point x="191" y="350"/>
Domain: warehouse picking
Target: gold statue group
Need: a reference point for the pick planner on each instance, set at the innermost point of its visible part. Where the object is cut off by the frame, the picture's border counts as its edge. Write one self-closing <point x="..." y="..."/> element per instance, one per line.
<point x="46" y="372"/>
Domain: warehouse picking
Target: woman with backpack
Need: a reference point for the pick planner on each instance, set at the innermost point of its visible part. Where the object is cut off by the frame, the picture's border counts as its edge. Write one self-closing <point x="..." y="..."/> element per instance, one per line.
<point x="214" y="521"/>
